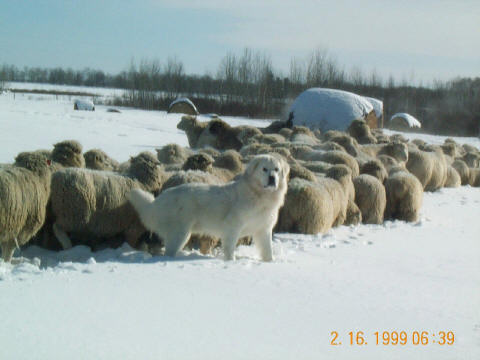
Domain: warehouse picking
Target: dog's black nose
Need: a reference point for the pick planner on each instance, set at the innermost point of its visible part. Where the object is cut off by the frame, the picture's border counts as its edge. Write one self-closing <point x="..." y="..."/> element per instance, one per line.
<point x="271" y="180"/>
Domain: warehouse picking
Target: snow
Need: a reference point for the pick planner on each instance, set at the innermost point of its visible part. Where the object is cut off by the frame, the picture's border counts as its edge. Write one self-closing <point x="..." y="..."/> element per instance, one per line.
<point x="411" y="121"/>
<point x="377" y="106"/>
<point x="125" y="304"/>
<point x="328" y="109"/>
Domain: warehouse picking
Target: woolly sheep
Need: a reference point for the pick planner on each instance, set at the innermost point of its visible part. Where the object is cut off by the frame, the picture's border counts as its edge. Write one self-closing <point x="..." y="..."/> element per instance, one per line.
<point x="92" y="202"/>
<point x="303" y="135"/>
<point x="472" y="159"/>
<point x="68" y="153"/>
<point x="404" y="196"/>
<point x="193" y="129"/>
<point x="463" y="170"/>
<point x="173" y="154"/>
<point x="332" y="157"/>
<point x="453" y="179"/>
<point x="376" y="169"/>
<point x="429" y="167"/>
<point x="397" y="150"/>
<point x="24" y="194"/>
<point x="204" y="162"/>
<point x="313" y="207"/>
<point x="348" y="143"/>
<point x="359" y="130"/>
<point x="329" y="146"/>
<point x="98" y="160"/>
<point x="371" y="198"/>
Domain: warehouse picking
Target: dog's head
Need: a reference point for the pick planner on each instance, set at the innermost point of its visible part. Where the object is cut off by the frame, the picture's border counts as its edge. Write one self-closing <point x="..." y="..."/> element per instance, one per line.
<point x="268" y="172"/>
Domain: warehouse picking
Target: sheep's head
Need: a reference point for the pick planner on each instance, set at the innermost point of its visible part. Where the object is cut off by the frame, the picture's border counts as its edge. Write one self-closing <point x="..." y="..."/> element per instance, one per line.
<point x="68" y="153"/>
<point x="348" y="143"/>
<point x="376" y="169"/>
<point x="33" y="161"/>
<point x="397" y="150"/>
<point x="230" y="160"/>
<point x="359" y="128"/>
<point x="202" y="162"/>
<point x="187" y="122"/>
<point x="145" y="168"/>
<point x="171" y="154"/>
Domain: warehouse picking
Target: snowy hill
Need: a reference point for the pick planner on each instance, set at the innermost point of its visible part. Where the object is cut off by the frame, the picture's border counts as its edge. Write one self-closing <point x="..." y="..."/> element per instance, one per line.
<point x="125" y="304"/>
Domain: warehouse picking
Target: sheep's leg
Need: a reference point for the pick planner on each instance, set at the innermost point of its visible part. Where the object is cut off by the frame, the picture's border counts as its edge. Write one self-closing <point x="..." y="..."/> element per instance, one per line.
<point x="8" y="248"/>
<point x="62" y="237"/>
<point x="263" y="242"/>
<point x="175" y="241"/>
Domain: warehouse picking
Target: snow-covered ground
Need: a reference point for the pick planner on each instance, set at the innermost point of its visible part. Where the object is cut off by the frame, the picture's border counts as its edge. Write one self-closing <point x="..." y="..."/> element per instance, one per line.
<point x="124" y="304"/>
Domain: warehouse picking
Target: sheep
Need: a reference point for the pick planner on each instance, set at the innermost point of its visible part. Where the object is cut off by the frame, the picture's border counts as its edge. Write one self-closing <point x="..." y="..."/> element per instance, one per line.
<point x="68" y="153"/>
<point x="193" y="129"/>
<point x="91" y="202"/>
<point x="343" y="175"/>
<point x="24" y="194"/>
<point x="371" y="198"/>
<point x="254" y="149"/>
<point x="359" y="130"/>
<point x="303" y="135"/>
<point x="397" y="150"/>
<point x="299" y="171"/>
<point x="429" y="167"/>
<point x="98" y="160"/>
<point x="463" y="170"/>
<point x="330" y="134"/>
<point x="230" y="160"/>
<point x="348" y="143"/>
<point x="389" y="162"/>
<point x="472" y="159"/>
<point x="376" y="169"/>
<point x="475" y="177"/>
<point x="329" y="146"/>
<point x="173" y="154"/>
<point x="470" y="148"/>
<point x="204" y="162"/>
<point x="313" y="207"/>
<point x="453" y="179"/>
<point x="398" y="138"/>
<point x="316" y="166"/>
<point x="404" y="195"/>
<point x="332" y="157"/>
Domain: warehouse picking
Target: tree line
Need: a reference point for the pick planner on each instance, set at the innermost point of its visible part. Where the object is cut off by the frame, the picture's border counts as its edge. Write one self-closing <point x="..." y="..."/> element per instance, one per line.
<point x="248" y="84"/>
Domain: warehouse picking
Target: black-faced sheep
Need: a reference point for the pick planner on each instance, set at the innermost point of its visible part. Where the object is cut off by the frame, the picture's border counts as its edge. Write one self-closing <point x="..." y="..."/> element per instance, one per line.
<point x="94" y="203"/>
<point x="371" y="198"/>
<point x="404" y="195"/>
<point x="24" y="194"/>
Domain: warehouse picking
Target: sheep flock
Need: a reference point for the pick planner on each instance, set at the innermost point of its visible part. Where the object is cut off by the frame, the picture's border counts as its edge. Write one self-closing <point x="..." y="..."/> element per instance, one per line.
<point x="61" y="197"/>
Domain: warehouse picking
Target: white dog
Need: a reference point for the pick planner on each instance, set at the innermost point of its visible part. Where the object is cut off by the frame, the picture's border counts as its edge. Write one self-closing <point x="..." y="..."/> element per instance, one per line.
<point x="247" y="206"/>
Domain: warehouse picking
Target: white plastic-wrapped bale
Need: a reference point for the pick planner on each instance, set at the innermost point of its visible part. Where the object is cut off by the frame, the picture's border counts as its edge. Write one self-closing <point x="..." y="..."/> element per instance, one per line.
<point x="404" y="121"/>
<point x="83" y="104"/>
<point x="183" y="106"/>
<point x="328" y="109"/>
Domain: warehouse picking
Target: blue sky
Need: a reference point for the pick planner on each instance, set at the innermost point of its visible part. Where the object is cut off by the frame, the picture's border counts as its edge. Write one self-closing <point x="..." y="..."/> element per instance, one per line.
<point x="417" y="40"/>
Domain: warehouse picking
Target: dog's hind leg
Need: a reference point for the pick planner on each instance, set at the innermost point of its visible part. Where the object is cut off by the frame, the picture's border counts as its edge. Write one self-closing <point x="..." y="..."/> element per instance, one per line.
<point x="228" y="245"/>
<point x="175" y="241"/>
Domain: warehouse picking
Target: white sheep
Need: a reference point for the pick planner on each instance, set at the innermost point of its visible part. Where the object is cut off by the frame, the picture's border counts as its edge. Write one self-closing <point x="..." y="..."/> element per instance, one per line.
<point x="94" y="203"/>
<point x="371" y="198"/>
<point x="24" y="193"/>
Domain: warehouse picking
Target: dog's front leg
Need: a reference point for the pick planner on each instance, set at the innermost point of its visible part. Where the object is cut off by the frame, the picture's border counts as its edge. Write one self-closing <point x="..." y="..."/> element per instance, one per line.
<point x="228" y="245"/>
<point x="263" y="242"/>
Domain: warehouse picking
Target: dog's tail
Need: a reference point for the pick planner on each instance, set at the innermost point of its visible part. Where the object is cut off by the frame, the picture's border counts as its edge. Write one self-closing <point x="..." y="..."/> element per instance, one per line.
<point x="142" y="202"/>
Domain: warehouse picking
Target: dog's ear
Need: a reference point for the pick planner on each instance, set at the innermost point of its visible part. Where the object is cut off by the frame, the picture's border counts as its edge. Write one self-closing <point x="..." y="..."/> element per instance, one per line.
<point x="252" y="166"/>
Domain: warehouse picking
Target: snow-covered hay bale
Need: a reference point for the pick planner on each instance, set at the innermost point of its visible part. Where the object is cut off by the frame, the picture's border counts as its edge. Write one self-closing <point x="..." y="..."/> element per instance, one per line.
<point x="183" y="106"/>
<point x="404" y="121"/>
<point x="327" y="109"/>
<point x="378" y="109"/>
<point x="83" y="104"/>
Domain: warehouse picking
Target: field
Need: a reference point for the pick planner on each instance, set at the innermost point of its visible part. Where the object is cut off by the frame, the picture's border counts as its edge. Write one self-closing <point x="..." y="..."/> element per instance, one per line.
<point x="125" y="304"/>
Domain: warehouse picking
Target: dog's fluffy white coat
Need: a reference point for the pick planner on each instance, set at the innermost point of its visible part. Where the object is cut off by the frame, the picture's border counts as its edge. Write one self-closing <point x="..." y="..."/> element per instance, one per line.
<point x="247" y="206"/>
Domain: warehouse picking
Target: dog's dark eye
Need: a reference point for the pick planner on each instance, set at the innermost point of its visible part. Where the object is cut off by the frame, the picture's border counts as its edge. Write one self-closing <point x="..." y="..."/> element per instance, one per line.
<point x="276" y="169"/>
<point x="265" y="169"/>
